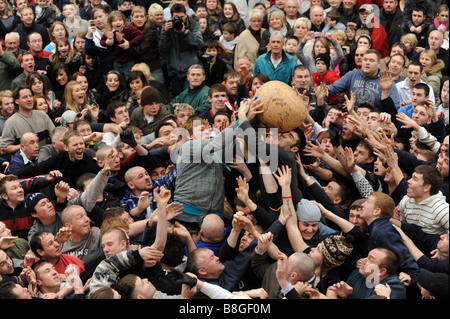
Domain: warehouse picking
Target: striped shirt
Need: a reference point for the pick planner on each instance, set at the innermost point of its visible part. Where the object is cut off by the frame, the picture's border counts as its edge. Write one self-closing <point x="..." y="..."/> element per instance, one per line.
<point x="431" y="214"/>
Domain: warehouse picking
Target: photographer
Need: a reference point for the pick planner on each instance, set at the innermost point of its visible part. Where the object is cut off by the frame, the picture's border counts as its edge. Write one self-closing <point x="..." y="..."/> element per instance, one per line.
<point x="181" y="40"/>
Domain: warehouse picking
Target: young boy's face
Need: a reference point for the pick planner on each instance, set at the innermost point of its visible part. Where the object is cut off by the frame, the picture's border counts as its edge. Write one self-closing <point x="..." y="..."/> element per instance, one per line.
<point x="201" y="12"/>
<point x="126" y="5"/>
<point x="290" y="46"/>
<point x="321" y="67"/>
<point x="330" y="22"/>
<point x="212" y="52"/>
<point x="41" y="3"/>
<point x="228" y="36"/>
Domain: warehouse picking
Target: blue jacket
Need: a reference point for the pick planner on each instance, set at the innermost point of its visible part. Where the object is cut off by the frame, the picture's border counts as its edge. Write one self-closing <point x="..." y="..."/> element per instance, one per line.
<point x="383" y="234"/>
<point x="362" y="291"/>
<point x="282" y="73"/>
<point x="367" y="90"/>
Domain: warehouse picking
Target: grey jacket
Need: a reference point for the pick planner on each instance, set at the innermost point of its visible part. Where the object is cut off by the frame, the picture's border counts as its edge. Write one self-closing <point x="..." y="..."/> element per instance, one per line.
<point x="181" y="49"/>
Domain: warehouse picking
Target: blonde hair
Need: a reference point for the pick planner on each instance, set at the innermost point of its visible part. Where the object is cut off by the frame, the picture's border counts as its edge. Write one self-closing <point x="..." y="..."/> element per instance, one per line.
<point x="9" y="10"/>
<point x="154" y="8"/>
<point x="277" y="13"/>
<point x="338" y="33"/>
<point x="144" y="68"/>
<point x="431" y="54"/>
<point x="446" y="84"/>
<point x="411" y="39"/>
<point x="69" y="98"/>
<point x="303" y="21"/>
<point x="385" y="203"/>
<point x="183" y="107"/>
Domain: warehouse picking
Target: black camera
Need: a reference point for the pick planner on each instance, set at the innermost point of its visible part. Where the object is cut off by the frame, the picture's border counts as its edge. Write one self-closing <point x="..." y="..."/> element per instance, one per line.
<point x="206" y="57"/>
<point x="178" y="23"/>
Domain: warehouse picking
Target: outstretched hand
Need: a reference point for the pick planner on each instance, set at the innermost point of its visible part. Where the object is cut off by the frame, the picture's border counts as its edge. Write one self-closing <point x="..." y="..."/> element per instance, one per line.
<point x="284" y="176"/>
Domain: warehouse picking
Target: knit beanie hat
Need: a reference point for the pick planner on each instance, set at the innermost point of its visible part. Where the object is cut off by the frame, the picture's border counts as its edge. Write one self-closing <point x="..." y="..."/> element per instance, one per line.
<point x="336" y="248"/>
<point x="150" y="95"/>
<point x="31" y="201"/>
<point x="308" y="212"/>
<point x="325" y="58"/>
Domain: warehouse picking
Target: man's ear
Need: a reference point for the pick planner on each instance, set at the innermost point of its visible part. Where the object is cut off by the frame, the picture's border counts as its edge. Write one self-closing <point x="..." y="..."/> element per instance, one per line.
<point x="377" y="212"/>
<point x="294" y="149"/>
<point x="131" y="185"/>
<point x="202" y="272"/>
<point x="4" y="196"/>
<point x="337" y="200"/>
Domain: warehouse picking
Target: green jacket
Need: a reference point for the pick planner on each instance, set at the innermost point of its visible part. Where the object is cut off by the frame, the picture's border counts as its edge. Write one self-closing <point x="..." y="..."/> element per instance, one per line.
<point x="197" y="98"/>
<point x="138" y="119"/>
<point x="9" y="69"/>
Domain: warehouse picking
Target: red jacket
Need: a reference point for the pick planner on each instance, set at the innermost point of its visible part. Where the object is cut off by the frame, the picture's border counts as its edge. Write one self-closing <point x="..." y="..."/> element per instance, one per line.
<point x="133" y="35"/>
<point x="380" y="40"/>
<point x="379" y="3"/>
<point x="329" y="78"/>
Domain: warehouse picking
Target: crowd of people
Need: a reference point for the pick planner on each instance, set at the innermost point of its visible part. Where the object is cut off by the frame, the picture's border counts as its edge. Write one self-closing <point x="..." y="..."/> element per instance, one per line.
<point x="133" y="157"/>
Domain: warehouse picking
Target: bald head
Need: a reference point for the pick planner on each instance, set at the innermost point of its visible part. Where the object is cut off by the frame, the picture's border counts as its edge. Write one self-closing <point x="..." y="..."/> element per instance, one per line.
<point x="212" y="229"/>
<point x="435" y="40"/>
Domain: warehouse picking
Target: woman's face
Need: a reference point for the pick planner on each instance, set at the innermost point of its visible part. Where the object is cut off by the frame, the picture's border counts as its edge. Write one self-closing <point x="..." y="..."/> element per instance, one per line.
<point x="118" y="24"/>
<point x="2" y="6"/>
<point x="255" y="24"/>
<point x="84" y="82"/>
<point x="112" y="82"/>
<point x="443" y="17"/>
<point x="211" y="5"/>
<point x="59" y="32"/>
<point x="256" y="84"/>
<point x="79" y="43"/>
<point x="100" y="19"/>
<point x="78" y="94"/>
<point x="62" y="77"/>
<point x="37" y="87"/>
<point x="136" y="85"/>
<point x="301" y="31"/>
<point x="228" y="11"/>
<point x="363" y="42"/>
<point x="203" y="23"/>
<point x="319" y="48"/>
<point x="41" y="104"/>
<point x="63" y="49"/>
<point x="426" y="61"/>
<point x="407" y="45"/>
<point x="158" y="17"/>
<point x="275" y="22"/>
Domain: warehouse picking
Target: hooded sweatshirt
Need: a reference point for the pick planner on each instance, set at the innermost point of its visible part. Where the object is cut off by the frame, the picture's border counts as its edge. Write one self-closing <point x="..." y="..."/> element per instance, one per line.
<point x="430" y="214"/>
<point x="367" y="90"/>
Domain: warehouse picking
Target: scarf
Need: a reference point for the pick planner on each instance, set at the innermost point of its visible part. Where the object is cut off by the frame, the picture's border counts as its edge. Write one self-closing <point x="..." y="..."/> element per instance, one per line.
<point x="255" y="34"/>
<point x="283" y="30"/>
